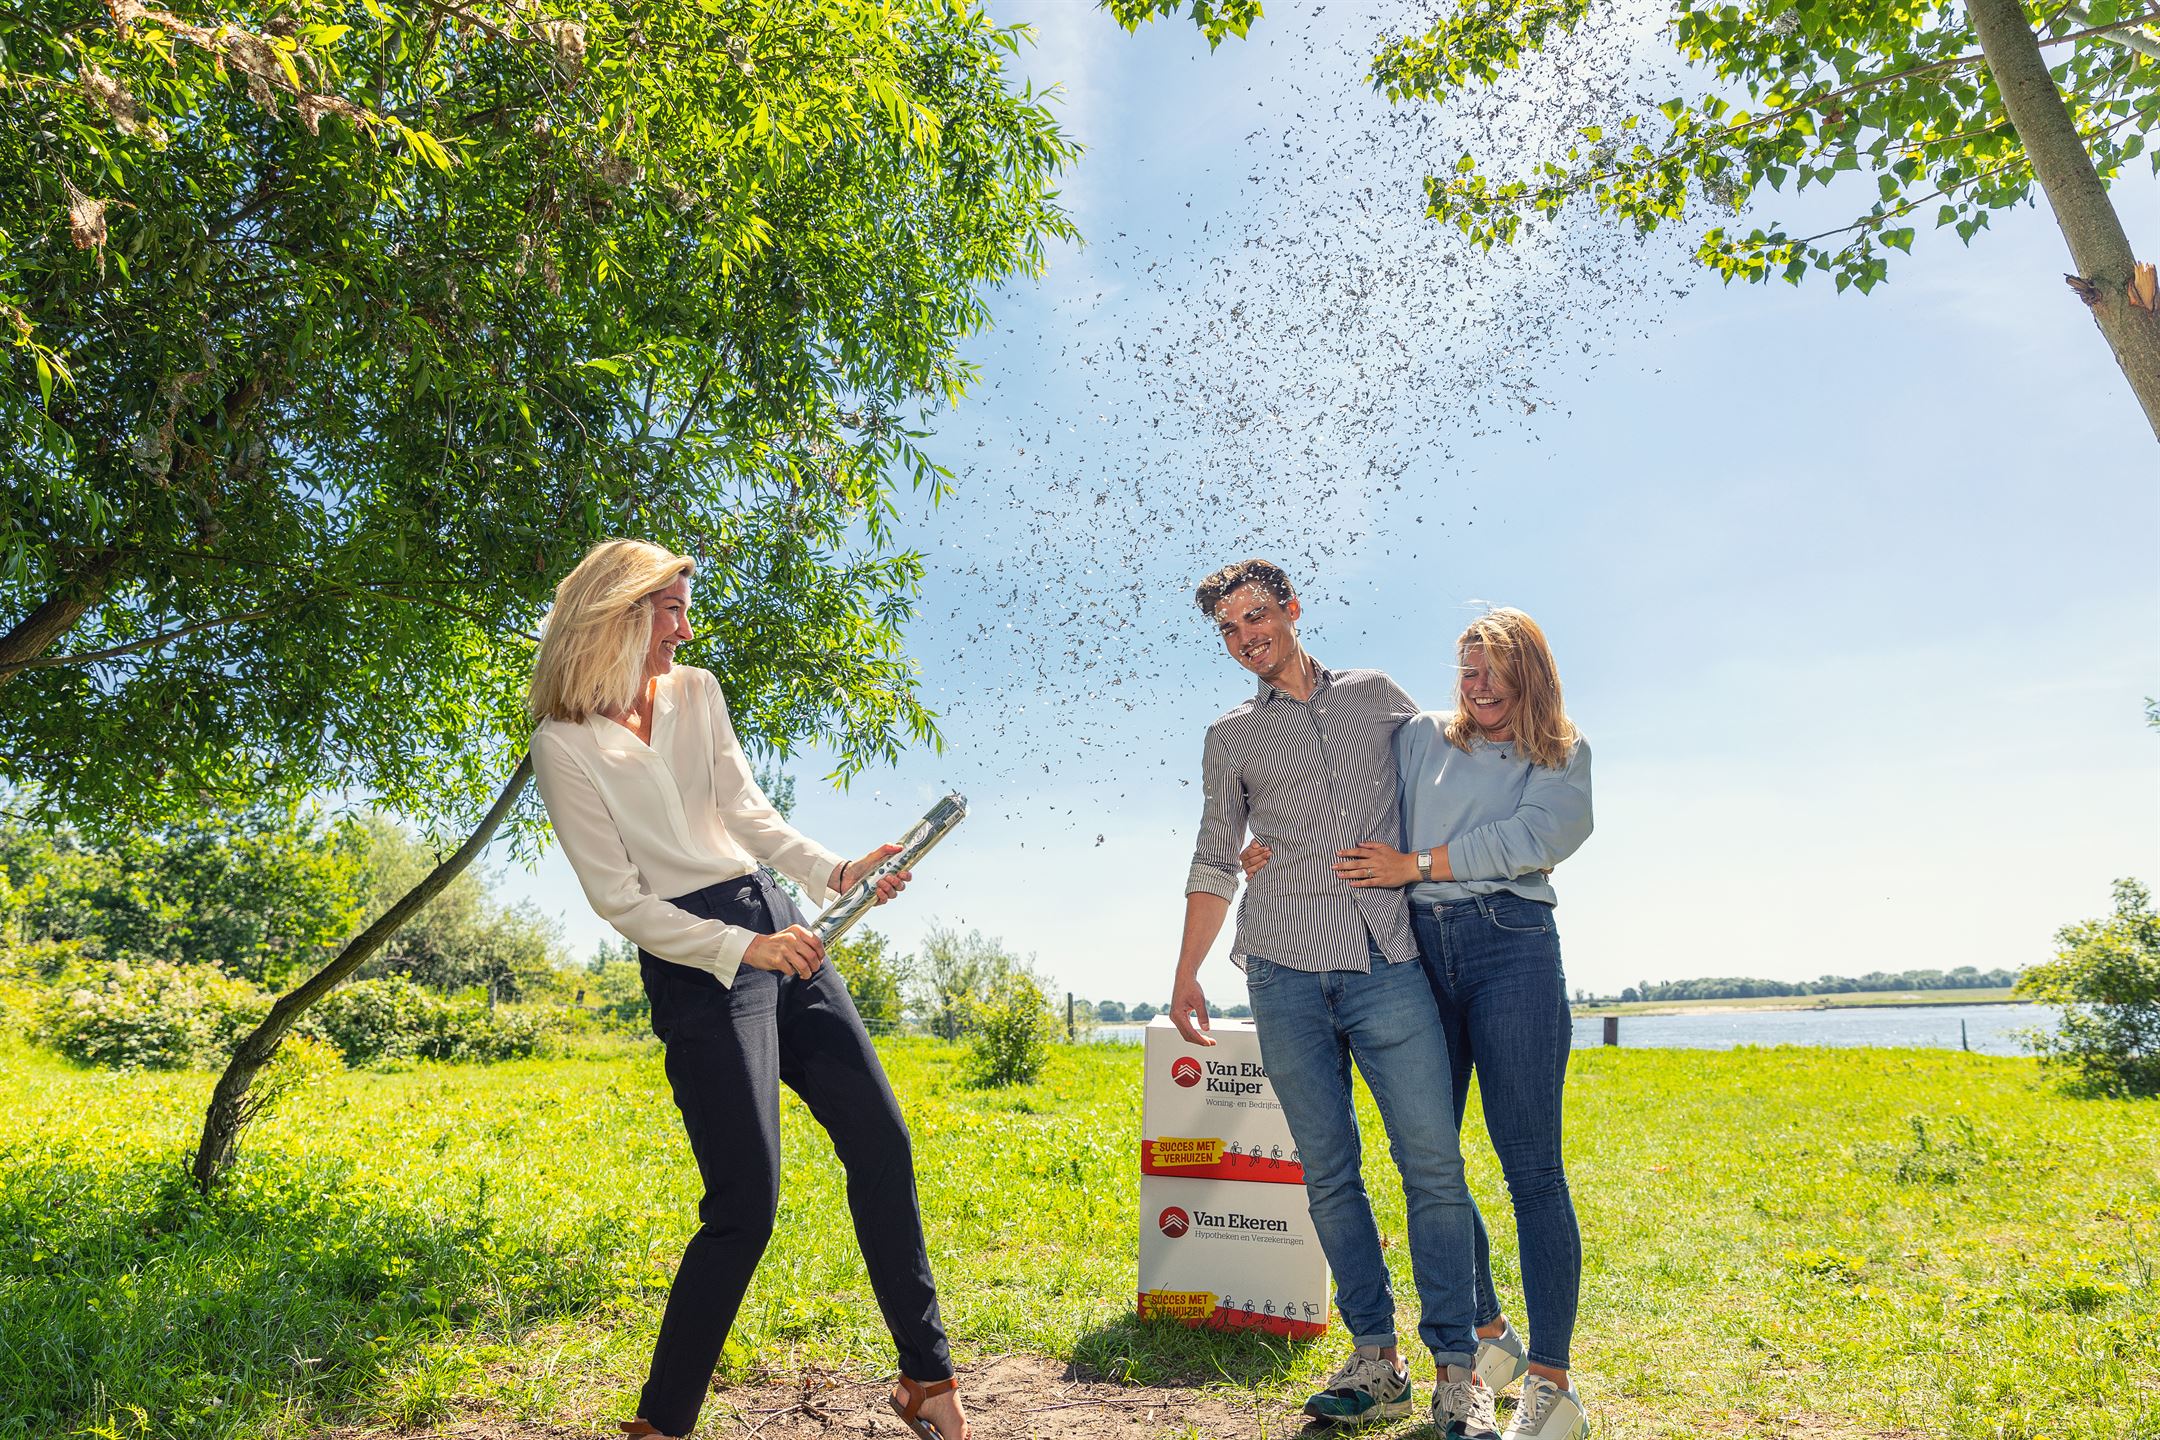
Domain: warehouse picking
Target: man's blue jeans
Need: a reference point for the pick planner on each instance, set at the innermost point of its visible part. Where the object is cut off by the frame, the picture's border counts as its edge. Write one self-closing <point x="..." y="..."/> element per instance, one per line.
<point x="1494" y="963"/>
<point x="1310" y="1026"/>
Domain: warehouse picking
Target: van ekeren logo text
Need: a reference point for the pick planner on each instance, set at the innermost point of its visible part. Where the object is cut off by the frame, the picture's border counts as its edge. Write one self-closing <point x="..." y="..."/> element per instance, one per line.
<point x="1175" y="1221"/>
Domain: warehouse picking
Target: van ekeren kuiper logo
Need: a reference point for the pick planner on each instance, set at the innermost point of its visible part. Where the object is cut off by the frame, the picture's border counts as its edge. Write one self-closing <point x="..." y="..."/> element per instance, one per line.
<point x="1244" y="1077"/>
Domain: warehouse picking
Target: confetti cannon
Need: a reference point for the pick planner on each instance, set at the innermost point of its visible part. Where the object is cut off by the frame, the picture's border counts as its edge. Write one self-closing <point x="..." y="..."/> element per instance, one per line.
<point x="836" y="918"/>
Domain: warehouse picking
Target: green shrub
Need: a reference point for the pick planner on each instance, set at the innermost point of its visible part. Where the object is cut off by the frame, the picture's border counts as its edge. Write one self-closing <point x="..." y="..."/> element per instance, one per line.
<point x="1011" y="1026"/>
<point x="301" y="1062"/>
<point x="2107" y="979"/>
<point x="876" y="978"/>
<point x="265" y="893"/>
<point x="951" y="978"/>
<point x="30" y="972"/>
<point x="151" y="1015"/>
<point x="390" y="1018"/>
<point x="466" y="937"/>
<point x="615" y="988"/>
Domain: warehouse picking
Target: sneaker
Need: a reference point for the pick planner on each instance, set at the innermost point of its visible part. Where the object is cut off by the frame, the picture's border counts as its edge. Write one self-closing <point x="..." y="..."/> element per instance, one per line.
<point x="1502" y="1359"/>
<point x="1365" y="1389"/>
<point x="1547" y="1412"/>
<point x="1462" y="1406"/>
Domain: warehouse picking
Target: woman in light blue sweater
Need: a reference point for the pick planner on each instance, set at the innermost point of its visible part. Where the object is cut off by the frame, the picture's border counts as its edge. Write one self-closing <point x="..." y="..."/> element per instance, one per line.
<point x="1494" y="795"/>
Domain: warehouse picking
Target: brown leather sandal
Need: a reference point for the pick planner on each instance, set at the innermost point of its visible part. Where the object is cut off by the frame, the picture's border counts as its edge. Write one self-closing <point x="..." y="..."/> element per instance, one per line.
<point x="915" y="1392"/>
<point x="640" y="1429"/>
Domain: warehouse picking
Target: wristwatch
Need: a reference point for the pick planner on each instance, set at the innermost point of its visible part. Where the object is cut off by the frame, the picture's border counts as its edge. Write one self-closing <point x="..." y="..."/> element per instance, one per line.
<point x="1424" y="866"/>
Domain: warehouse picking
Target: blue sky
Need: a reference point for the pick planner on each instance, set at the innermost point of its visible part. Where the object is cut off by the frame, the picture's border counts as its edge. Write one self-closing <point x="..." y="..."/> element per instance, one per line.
<point x="1857" y="599"/>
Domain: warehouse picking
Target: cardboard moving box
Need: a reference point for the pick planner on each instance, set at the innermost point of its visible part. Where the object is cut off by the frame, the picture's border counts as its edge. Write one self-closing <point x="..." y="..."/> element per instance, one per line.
<point x="1231" y="1255"/>
<point x="1208" y="1112"/>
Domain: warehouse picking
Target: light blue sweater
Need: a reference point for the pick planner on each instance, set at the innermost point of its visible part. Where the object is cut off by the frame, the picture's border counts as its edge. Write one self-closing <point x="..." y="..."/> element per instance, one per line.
<point x="1503" y="819"/>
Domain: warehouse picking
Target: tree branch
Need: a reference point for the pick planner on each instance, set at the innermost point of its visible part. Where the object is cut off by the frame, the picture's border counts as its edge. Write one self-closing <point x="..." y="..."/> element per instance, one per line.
<point x="71" y="599"/>
<point x="85" y="657"/>
<point x="1955" y="62"/>
<point x="1898" y="212"/>
<point x="2141" y="42"/>
<point x="1708" y="139"/>
<point x="9" y="668"/>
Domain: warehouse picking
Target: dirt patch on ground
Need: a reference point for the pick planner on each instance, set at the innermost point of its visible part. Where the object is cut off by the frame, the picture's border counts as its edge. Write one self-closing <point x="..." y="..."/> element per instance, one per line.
<point x="1009" y="1397"/>
<point x="1032" y="1397"/>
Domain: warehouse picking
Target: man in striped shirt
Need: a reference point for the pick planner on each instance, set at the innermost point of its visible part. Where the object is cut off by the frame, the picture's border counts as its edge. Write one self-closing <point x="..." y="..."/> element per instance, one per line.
<point x="1308" y="764"/>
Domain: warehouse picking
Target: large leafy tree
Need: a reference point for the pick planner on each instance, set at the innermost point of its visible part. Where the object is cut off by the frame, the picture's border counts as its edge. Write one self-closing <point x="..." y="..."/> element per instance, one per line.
<point x="340" y="329"/>
<point x="1946" y="111"/>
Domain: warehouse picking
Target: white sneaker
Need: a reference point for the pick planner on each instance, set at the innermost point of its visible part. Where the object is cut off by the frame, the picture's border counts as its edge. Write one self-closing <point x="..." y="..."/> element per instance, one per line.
<point x="1502" y="1359"/>
<point x="1462" y="1405"/>
<point x="1547" y="1412"/>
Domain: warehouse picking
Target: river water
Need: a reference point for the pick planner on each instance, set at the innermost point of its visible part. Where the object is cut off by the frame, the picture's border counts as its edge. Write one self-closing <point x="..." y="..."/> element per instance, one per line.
<point x="1987" y="1029"/>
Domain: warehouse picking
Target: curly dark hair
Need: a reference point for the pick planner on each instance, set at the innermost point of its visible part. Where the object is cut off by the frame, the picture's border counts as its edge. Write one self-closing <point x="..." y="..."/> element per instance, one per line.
<point x="1263" y="573"/>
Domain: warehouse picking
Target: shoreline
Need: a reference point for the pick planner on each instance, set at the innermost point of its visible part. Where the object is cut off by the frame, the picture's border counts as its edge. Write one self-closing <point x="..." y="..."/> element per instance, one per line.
<point x="1783" y="1003"/>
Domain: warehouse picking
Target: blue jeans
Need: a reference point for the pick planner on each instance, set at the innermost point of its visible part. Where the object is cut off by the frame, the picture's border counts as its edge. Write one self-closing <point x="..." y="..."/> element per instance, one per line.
<point x="1494" y="963"/>
<point x="1310" y="1026"/>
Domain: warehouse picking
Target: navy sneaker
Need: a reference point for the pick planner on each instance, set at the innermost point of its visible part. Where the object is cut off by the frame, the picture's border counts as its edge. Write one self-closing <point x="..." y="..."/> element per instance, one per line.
<point x="1364" y="1390"/>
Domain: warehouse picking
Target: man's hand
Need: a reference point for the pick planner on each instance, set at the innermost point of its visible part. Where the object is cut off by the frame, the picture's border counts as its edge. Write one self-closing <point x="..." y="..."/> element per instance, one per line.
<point x="793" y="951"/>
<point x="1204" y="915"/>
<point x="1254" y="858"/>
<point x="888" y="885"/>
<point x="1188" y="1011"/>
<point x="1373" y="865"/>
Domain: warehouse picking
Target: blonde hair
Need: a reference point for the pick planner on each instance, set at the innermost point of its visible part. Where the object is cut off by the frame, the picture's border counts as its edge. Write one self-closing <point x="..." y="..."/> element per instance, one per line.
<point x="1515" y="648"/>
<point x="592" y="649"/>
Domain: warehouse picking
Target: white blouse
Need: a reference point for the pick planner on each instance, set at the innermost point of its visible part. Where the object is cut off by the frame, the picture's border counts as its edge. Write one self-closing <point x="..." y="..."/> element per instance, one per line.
<point x="641" y="823"/>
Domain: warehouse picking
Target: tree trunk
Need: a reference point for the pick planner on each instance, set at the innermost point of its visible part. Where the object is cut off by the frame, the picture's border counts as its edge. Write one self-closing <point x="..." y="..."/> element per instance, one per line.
<point x="2098" y="246"/>
<point x="229" y="1111"/>
<point x="71" y="599"/>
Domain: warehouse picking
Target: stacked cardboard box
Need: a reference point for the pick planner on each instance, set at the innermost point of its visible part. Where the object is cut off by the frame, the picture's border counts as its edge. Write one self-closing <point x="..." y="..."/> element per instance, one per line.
<point x="1225" y="1240"/>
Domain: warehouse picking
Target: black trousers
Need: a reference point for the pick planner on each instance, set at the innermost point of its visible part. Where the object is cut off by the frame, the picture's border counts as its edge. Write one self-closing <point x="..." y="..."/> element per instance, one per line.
<point x="728" y="1052"/>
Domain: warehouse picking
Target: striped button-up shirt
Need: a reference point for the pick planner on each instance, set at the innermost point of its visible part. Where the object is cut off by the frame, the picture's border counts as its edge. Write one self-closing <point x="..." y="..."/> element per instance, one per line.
<point x="1309" y="777"/>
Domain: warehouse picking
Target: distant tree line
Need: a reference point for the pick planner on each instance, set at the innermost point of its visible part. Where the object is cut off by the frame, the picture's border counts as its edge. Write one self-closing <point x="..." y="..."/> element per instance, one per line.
<point x="1112" y="1012"/>
<point x="1964" y="977"/>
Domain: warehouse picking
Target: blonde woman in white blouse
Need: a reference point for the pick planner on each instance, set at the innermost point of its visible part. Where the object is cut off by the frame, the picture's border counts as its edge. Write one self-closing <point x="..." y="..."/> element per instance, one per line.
<point x="656" y="808"/>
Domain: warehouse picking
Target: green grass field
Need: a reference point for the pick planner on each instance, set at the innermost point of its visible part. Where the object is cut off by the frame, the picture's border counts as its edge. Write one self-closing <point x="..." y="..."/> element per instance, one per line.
<point x="1858" y="999"/>
<point x="1780" y="1242"/>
